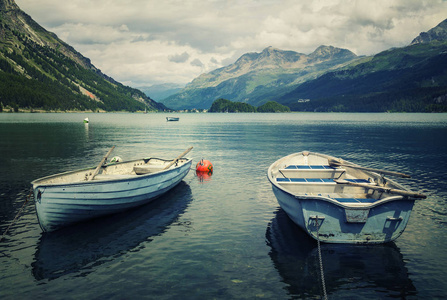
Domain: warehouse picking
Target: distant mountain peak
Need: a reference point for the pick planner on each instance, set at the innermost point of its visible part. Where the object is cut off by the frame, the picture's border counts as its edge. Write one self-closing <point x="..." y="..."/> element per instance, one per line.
<point x="330" y="52"/>
<point x="267" y="53"/>
<point x="438" y="33"/>
<point x="270" y="50"/>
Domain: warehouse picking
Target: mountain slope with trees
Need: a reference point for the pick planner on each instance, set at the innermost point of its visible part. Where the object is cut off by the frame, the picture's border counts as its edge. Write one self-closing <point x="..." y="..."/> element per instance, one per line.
<point x="227" y="106"/>
<point x="224" y="105"/>
<point x="411" y="79"/>
<point x="438" y="33"/>
<point x="39" y="71"/>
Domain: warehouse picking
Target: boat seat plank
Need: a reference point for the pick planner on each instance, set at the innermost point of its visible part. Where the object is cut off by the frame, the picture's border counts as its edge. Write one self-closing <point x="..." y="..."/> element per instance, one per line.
<point x="318" y="180"/>
<point x="311" y="167"/>
<point x="311" y="171"/>
<point x="344" y="198"/>
<point x="358" y="180"/>
<point x="323" y="186"/>
<point x="112" y="176"/>
<point x="356" y="200"/>
<point x="306" y="180"/>
<point x="145" y="169"/>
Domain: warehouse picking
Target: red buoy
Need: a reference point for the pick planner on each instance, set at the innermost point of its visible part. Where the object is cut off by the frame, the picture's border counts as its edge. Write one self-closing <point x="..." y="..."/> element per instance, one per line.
<point x="204" y="166"/>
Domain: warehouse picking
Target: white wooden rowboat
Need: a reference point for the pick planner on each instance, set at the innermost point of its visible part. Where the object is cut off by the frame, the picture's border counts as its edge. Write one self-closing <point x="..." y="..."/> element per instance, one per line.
<point x="72" y="197"/>
<point x="336" y="201"/>
<point x="170" y="119"/>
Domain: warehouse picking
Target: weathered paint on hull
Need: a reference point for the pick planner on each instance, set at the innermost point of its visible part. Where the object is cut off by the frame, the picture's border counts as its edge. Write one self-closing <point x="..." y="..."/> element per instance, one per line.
<point x="379" y="224"/>
<point x="64" y="204"/>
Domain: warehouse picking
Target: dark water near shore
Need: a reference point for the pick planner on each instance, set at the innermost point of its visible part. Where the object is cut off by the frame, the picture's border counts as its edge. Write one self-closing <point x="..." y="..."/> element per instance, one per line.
<point x="222" y="237"/>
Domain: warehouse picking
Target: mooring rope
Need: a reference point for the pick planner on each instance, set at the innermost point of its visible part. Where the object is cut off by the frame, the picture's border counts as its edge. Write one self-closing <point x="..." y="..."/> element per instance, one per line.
<point x="20" y="211"/>
<point x="321" y="261"/>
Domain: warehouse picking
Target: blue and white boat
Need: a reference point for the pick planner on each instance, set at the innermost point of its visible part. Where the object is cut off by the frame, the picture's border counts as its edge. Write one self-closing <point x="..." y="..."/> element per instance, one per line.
<point x="76" y="196"/>
<point x="336" y="201"/>
<point x="171" y="119"/>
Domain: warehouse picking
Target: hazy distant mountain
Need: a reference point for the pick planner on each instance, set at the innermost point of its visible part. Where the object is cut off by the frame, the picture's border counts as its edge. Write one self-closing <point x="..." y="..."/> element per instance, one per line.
<point x="161" y="91"/>
<point x="39" y="71"/>
<point x="273" y="60"/>
<point x="256" y="77"/>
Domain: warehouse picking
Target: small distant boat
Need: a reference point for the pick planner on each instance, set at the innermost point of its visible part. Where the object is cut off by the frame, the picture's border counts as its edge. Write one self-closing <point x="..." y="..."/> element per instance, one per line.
<point x="336" y="201"/>
<point x="172" y="119"/>
<point x="76" y="196"/>
<point x="86" y="120"/>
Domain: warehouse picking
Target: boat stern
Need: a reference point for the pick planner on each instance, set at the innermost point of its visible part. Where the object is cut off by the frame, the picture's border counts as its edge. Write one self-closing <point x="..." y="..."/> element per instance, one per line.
<point x="356" y="225"/>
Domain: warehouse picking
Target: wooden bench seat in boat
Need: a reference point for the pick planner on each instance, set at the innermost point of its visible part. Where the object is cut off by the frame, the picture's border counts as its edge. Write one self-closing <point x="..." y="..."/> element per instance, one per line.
<point x="321" y="185"/>
<point x="112" y="176"/>
<point x="311" y="171"/>
<point x="318" y="180"/>
<point x="344" y="198"/>
<point x="310" y="167"/>
<point x="145" y="169"/>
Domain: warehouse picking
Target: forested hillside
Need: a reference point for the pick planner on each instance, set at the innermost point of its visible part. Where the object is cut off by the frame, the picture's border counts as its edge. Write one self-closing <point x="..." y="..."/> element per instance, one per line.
<point x="40" y="72"/>
<point x="411" y="79"/>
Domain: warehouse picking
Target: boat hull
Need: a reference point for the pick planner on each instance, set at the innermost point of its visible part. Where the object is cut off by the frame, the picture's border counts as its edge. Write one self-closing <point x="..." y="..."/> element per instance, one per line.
<point x="171" y="119"/>
<point x="383" y="223"/>
<point x="335" y="220"/>
<point x="59" y="205"/>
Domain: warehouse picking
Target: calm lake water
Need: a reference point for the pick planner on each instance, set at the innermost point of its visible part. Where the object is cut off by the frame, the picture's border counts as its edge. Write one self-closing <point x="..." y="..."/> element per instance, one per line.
<point x="221" y="237"/>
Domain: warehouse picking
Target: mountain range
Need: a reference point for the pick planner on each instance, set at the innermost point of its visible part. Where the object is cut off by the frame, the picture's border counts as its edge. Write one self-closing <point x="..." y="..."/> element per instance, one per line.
<point x="40" y="71"/>
<point x="411" y="78"/>
<point x="254" y="75"/>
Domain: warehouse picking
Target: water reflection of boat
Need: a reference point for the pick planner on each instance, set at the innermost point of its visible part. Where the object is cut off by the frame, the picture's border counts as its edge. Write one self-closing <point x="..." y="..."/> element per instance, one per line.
<point x="348" y="269"/>
<point x="92" y="243"/>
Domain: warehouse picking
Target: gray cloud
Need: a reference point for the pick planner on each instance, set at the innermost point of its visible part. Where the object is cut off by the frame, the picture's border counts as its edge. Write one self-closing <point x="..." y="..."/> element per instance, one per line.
<point x="196" y="62"/>
<point x="179" y="58"/>
<point x="151" y="41"/>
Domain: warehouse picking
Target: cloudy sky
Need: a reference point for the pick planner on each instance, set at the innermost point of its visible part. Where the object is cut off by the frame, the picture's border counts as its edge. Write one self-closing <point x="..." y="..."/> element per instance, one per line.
<point x="145" y="42"/>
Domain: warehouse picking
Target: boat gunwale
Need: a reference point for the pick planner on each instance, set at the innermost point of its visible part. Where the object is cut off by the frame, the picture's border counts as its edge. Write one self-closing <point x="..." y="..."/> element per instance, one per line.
<point x="35" y="183"/>
<point x="358" y="206"/>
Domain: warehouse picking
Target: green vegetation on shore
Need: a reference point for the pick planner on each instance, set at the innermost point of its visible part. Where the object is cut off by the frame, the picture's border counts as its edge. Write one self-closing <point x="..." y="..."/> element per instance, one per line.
<point x="224" y="105"/>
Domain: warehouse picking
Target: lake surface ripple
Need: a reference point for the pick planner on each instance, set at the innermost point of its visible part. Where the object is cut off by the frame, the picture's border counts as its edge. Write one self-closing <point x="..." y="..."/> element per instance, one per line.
<point x="221" y="236"/>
